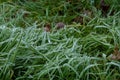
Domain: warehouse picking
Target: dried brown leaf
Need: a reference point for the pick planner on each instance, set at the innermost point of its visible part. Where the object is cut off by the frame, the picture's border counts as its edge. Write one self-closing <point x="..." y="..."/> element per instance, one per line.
<point x="78" y="19"/>
<point x="60" y="25"/>
<point x="116" y="54"/>
<point x="47" y="27"/>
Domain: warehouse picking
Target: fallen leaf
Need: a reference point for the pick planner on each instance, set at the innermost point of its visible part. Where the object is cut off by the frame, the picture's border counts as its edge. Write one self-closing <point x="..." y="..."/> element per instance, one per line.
<point x="47" y="27"/>
<point x="60" y="25"/>
<point x="115" y="55"/>
<point x="78" y="19"/>
<point x="87" y="13"/>
<point x="82" y="19"/>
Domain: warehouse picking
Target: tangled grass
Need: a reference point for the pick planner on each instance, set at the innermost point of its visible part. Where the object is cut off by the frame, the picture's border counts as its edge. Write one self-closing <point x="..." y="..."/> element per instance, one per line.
<point x="76" y="52"/>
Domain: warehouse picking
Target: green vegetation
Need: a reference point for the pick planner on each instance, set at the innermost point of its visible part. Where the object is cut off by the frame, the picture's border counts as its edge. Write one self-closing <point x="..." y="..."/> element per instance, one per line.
<point x="79" y="51"/>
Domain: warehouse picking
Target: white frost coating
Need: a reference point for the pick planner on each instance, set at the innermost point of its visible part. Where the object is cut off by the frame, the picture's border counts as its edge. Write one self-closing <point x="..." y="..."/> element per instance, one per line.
<point x="2" y="27"/>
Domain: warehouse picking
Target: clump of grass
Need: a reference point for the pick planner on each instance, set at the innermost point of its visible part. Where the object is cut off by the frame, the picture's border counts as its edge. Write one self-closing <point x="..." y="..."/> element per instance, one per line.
<point x="77" y="51"/>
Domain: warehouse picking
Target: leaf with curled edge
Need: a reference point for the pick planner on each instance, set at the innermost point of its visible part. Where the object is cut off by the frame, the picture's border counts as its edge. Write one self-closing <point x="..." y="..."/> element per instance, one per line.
<point x="47" y="27"/>
<point x="60" y="25"/>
